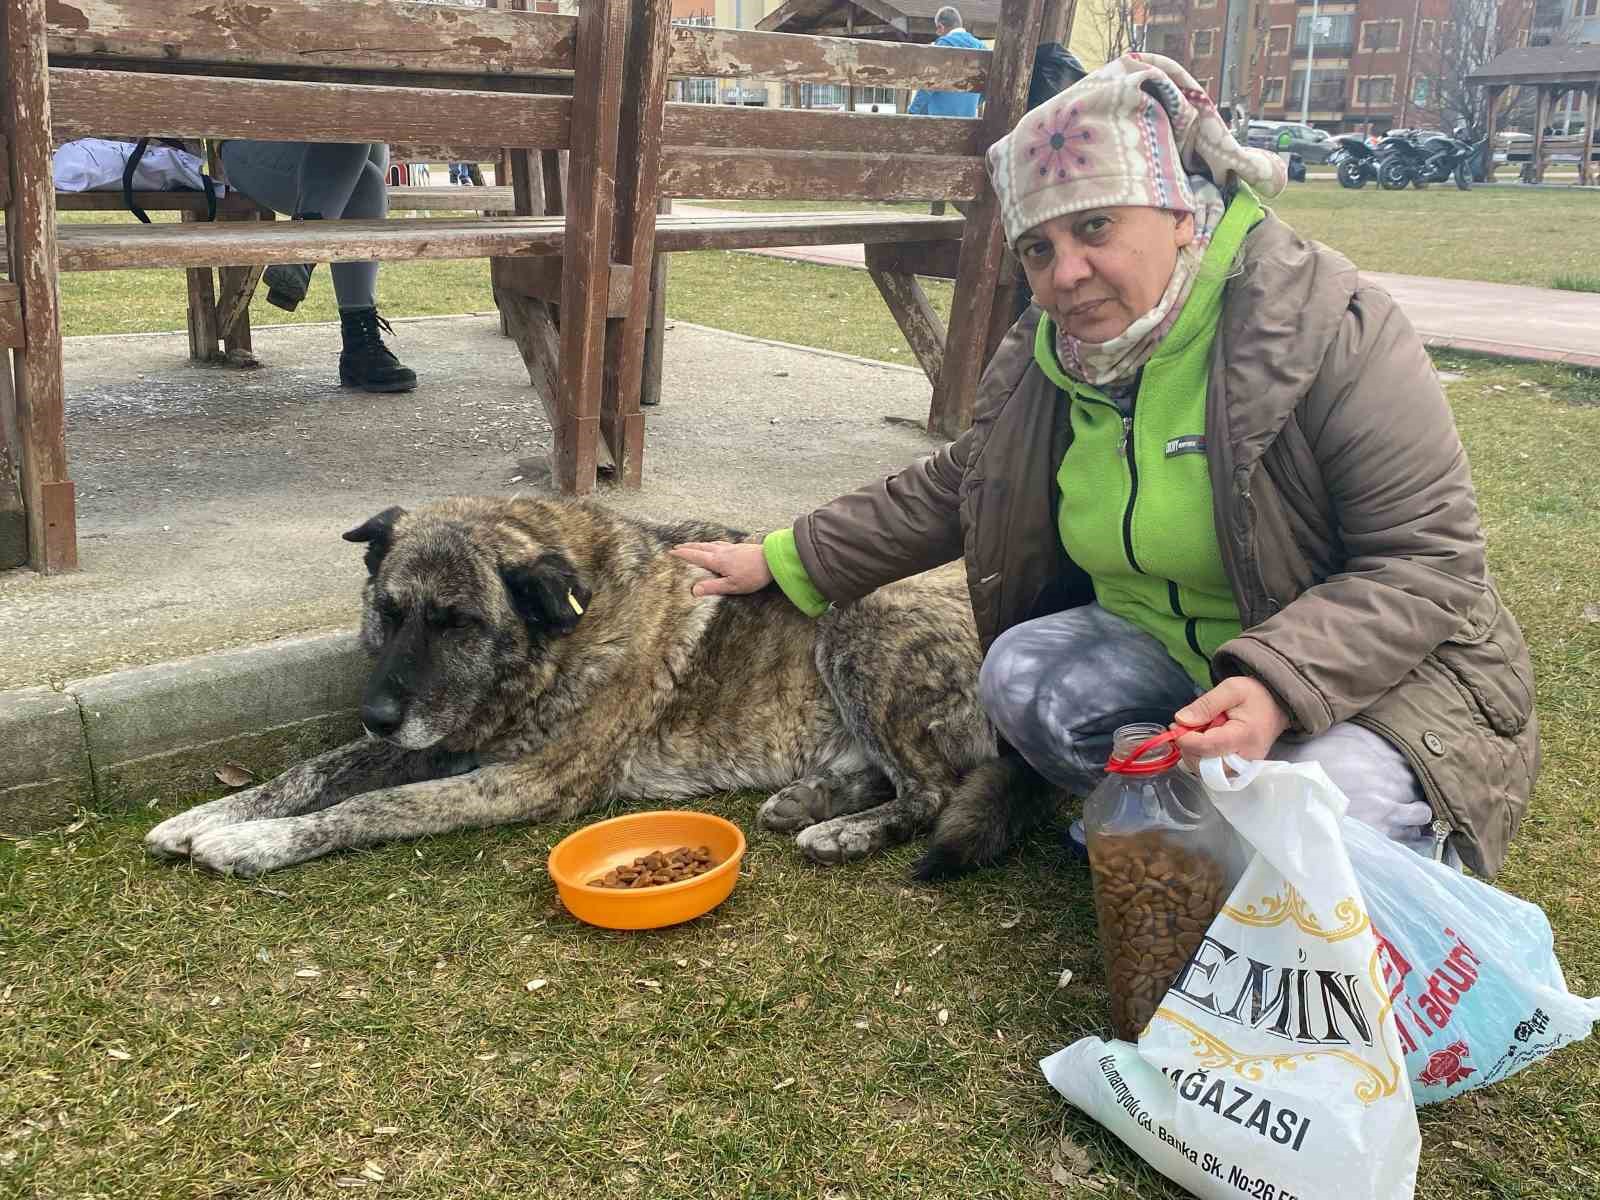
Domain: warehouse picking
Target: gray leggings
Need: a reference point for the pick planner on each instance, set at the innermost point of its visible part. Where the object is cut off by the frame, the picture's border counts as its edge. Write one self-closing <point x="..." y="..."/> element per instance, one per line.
<point x="1057" y="688"/>
<point x="336" y="180"/>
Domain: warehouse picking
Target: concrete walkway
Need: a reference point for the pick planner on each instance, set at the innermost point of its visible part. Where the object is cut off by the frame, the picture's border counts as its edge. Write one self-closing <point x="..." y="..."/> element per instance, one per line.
<point x="1531" y="324"/>
<point x="1534" y="324"/>
<point x="210" y="500"/>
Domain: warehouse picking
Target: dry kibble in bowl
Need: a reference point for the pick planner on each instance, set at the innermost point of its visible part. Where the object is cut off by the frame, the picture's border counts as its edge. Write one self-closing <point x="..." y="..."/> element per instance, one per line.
<point x="658" y="868"/>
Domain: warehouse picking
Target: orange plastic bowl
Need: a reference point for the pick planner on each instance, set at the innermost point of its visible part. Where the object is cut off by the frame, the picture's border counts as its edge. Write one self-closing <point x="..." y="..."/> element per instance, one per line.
<point x="595" y="849"/>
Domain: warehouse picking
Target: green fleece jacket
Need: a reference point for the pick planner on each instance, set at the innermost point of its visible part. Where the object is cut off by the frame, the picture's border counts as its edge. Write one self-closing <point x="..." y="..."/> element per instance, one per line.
<point x="1136" y="509"/>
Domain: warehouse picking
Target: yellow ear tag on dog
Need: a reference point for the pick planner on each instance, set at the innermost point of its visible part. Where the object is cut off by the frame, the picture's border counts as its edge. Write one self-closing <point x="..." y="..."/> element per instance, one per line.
<point x="576" y="607"/>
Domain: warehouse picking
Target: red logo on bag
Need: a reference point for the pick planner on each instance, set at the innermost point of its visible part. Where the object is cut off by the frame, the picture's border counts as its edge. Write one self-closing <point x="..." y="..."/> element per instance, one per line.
<point x="1447" y="1066"/>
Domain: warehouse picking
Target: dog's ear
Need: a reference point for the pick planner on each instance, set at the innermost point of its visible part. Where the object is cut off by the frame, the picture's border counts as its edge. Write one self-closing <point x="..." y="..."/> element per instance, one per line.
<point x="378" y="533"/>
<point x="547" y="593"/>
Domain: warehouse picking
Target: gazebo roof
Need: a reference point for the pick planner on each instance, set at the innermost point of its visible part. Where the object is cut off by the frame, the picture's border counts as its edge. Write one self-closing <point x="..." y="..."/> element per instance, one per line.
<point x="1541" y="64"/>
<point x="888" y="20"/>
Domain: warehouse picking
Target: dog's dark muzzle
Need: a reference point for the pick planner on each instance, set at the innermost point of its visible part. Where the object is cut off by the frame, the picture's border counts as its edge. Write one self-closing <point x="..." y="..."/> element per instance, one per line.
<point x="382" y="714"/>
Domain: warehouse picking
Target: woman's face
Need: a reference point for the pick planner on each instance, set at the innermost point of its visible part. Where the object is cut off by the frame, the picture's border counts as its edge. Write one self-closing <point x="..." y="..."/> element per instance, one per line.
<point x="1097" y="271"/>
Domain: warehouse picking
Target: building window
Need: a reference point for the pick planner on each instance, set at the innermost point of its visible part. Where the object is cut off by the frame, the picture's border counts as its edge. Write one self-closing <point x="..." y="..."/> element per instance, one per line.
<point x="1327" y="89"/>
<point x="1333" y="33"/>
<point x="1422" y="91"/>
<point x="1585" y="8"/>
<point x="1380" y="35"/>
<point x="1272" y="92"/>
<point x="698" y="91"/>
<point x="1205" y="43"/>
<point x="1375" y="90"/>
<point x="1427" y="36"/>
<point x="1205" y="3"/>
<point x="1278" y="39"/>
<point x="1168" y="43"/>
<point x="823" y="95"/>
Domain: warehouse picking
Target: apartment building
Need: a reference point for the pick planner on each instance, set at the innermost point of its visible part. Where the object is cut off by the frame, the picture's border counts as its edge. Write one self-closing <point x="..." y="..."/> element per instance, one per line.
<point x="1342" y="65"/>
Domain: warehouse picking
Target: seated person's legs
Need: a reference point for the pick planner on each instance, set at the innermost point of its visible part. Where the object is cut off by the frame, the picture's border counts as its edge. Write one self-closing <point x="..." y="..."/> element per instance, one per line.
<point x="303" y="180"/>
<point x="1058" y="687"/>
<point x="1383" y="790"/>
<point x="333" y="180"/>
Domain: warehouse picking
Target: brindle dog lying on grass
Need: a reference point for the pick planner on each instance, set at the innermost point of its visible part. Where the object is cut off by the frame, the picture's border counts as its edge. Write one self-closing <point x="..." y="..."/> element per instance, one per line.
<point x="535" y="660"/>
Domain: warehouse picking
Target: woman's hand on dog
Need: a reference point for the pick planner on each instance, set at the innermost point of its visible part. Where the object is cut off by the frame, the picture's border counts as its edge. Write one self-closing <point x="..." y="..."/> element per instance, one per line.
<point x="740" y="567"/>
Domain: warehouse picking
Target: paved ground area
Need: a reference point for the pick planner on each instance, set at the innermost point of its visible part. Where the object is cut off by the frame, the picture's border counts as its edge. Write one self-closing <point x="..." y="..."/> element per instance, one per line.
<point x="1498" y="318"/>
<point x="1538" y="324"/>
<point x="211" y="500"/>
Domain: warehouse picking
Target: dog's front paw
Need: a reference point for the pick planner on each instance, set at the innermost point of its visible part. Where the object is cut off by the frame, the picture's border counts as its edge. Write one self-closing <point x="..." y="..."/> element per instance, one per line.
<point x="797" y="806"/>
<point x="174" y="836"/>
<point x="842" y="840"/>
<point x="253" y="848"/>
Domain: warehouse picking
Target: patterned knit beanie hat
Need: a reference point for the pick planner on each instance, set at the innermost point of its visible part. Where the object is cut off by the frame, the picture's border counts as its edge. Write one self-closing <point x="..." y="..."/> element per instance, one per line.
<point x="1130" y="133"/>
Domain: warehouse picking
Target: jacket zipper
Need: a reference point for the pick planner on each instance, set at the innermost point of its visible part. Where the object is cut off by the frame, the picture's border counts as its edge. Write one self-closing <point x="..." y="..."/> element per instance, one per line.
<point x="1127" y="452"/>
<point x="1191" y="625"/>
<point x="1441" y="831"/>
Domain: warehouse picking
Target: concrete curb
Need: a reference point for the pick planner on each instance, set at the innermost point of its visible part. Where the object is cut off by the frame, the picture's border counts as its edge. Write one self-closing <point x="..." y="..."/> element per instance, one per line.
<point x="117" y="740"/>
<point x="1515" y="353"/>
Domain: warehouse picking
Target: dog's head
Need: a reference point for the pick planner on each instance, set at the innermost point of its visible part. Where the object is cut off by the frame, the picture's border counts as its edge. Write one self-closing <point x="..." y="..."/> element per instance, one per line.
<point x="459" y="599"/>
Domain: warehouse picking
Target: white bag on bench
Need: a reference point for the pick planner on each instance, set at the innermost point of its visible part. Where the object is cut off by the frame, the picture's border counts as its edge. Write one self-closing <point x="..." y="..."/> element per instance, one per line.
<point x="96" y="165"/>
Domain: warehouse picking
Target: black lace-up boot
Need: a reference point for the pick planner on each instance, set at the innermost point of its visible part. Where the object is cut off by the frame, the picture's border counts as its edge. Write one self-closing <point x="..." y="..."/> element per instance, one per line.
<point x="366" y="362"/>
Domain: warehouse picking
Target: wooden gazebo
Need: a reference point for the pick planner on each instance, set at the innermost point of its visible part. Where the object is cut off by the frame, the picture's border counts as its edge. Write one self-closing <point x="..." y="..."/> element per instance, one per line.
<point x="908" y="21"/>
<point x="1553" y="71"/>
<point x="885" y="20"/>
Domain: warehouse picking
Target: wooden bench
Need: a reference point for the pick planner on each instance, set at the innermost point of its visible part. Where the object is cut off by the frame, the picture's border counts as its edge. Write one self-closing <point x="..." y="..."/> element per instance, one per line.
<point x="219" y="329"/>
<point x="578" y="269"/>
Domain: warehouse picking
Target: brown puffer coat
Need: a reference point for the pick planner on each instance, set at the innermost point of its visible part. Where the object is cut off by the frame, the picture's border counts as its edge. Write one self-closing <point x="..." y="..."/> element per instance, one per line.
<point x="1344" y="510"/>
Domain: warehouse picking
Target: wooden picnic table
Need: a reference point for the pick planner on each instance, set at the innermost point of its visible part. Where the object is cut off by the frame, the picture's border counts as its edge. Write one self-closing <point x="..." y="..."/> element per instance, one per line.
<point x="596" y="154"/>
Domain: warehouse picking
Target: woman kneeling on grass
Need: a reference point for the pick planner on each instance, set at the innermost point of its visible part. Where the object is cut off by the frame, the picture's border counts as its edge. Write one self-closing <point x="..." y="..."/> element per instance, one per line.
<point x="1212" y="473"/>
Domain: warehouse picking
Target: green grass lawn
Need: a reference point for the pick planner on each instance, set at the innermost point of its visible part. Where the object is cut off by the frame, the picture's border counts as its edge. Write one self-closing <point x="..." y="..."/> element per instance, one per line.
<point x="1497" y="235"/>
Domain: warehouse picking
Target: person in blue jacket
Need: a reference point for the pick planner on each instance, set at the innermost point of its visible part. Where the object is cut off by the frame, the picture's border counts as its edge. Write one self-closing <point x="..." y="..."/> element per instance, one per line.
<point x="947" y="23"/>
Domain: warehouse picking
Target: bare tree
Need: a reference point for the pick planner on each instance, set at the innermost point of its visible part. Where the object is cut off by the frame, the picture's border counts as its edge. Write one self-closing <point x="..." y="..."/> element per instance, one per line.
<point x="1121" y="24"/>
<point x="1472" y="34"/>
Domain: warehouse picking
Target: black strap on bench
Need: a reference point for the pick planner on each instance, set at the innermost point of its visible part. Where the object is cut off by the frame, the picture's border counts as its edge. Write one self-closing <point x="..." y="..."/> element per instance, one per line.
<point x="132" y="165"/>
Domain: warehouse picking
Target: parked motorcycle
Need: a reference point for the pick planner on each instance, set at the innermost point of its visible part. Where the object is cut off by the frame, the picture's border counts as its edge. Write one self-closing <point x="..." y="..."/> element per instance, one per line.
<point x="1402" y="162"/>
<point x="1452" y="157"/>
<point x="1355" y="162"/>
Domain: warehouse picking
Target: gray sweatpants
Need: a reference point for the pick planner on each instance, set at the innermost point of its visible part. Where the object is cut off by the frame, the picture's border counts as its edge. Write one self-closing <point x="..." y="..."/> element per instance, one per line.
<point x="1057" y="688"/>
<point x="334" y="180"/>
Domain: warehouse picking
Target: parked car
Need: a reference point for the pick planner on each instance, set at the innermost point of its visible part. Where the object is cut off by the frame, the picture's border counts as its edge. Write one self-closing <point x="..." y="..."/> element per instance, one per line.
<point x="1313" y="145"/>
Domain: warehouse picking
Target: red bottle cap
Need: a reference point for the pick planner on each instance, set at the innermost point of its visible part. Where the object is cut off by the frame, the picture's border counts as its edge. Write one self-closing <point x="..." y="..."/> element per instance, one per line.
<point x="1134" y="762"/>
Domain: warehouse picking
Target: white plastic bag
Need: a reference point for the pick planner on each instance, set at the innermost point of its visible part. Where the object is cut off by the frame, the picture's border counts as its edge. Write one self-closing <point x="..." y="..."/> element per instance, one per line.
<point x="96" y="164"/>
<point x="1472" y="972"/>
<point x="1273" y="1069"/>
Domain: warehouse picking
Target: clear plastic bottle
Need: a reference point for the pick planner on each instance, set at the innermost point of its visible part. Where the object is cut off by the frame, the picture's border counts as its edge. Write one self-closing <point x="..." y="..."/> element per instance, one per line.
<point x="1163" y="860"/>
